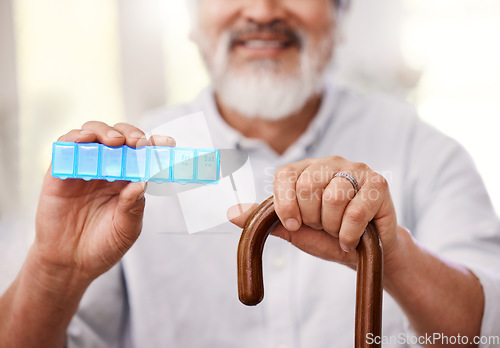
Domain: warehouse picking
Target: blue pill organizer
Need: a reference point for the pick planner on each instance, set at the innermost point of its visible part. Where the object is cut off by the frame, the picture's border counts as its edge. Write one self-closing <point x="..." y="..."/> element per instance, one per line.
<point x="92" y="161"/>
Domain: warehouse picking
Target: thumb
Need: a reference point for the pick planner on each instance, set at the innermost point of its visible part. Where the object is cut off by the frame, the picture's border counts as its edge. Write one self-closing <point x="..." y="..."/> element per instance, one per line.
<point x="239" y="214"/>
<point x="131" y="197"/>
<point x="130" y="208"/>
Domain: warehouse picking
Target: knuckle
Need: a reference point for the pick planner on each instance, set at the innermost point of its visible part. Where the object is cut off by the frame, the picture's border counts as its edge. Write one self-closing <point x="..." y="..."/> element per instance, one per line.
<point x="287" y="170"/>
<point x="304" y="162"/>
<point x="89" y="124"/>
<point x="355" y="214"/>
<point x="285" y="173"/>
<point x="337" y="158"/>
<point x="334" y="197"/>
<point x="72" y="133"/>
<point x="378" y="183"/>
<point x="362" y="167"/>
<point x="124" y="125"/>
<point x="381" y="182"/>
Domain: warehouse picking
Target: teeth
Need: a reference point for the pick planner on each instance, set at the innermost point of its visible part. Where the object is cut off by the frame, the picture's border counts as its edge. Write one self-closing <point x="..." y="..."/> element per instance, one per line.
<point x="264" y="44"/>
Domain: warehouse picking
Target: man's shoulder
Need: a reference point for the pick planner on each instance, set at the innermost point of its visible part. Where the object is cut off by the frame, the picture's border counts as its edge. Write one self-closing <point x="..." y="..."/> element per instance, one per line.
<point x="375" y="108"/>
<point x="386" y="123"/>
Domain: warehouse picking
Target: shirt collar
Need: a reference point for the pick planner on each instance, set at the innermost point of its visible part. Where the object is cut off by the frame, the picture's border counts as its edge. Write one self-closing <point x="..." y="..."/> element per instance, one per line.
<point x="229" y="137"/>
<point x="316" y="129"/>
<point x="222" y="133"/>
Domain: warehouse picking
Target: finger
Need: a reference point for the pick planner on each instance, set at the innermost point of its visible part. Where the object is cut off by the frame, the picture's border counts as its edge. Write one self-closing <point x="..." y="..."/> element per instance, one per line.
<point x="239" y="214"/>
<point x="285" y="196"/>
<point x="336" y="197"/>
<point x="78" y="136"/>
<point x="317" y="243"/>
<point x="129" y="211"/>
<point x="105" y="134"/>
<point x="161" y="140"/>
<point x="133" y="135"/>
<point x="364" y="207"/>
<point x="310" y="185"/>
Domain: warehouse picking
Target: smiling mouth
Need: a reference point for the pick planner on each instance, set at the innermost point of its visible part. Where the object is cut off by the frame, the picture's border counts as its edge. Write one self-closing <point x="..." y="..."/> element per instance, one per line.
<point x="265" y="40"/>
<point x="264" y="44"/>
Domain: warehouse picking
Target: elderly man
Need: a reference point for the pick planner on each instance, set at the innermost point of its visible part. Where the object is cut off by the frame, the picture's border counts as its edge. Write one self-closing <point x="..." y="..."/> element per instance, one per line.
<point x="267" y="60"/>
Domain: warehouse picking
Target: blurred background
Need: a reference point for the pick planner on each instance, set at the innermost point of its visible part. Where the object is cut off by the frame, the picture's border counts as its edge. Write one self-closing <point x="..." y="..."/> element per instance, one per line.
<point x="63" y="62"/>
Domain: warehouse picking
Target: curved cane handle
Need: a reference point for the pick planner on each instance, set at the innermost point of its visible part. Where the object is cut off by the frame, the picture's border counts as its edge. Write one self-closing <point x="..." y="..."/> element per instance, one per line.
<point x="369" y="277"/>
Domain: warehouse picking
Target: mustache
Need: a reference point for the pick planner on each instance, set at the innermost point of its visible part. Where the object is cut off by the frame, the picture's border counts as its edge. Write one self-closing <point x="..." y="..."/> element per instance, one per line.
<point x="274" y="28"/>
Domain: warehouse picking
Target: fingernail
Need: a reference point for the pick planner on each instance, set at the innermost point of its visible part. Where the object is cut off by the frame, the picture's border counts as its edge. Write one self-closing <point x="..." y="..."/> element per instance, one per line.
<point x="292" y="224"/>
<point x="345" y="248"/>
<point x="137" y="135"/>
<point x="86" y="132"/>
<point x="170" y="141"/>
<point x="114" y="134"/>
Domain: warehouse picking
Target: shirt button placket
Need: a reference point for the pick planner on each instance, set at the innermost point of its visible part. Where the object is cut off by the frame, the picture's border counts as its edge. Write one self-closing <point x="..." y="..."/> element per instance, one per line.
<point x="278" y="292"/>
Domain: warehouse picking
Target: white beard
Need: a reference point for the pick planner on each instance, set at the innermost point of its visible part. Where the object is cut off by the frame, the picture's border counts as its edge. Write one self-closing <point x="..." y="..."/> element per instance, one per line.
<point x="260" y="89"/>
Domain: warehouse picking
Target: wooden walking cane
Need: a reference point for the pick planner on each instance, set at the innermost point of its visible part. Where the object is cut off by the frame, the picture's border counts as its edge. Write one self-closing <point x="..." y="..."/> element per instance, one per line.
<point x="369" y="277"/>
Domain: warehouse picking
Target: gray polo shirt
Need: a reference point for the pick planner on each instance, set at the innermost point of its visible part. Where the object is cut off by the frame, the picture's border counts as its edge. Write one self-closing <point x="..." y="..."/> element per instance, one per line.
<point x="177" y="285"/>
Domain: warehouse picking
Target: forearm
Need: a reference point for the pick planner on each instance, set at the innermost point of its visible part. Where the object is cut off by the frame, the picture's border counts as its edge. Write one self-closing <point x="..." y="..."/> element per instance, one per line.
<point x="37" y="308"/>
<point x="437" y="296"/>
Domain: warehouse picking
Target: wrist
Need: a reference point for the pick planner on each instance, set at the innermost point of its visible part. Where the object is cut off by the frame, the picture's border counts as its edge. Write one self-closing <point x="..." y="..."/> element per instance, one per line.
<point x="397" y="258"/>
<point x="38" y="306"/>
<point x="54" y="278"/>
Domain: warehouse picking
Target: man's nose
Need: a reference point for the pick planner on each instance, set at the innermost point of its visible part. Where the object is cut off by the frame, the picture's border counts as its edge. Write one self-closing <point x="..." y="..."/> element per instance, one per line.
<point x="264" y="11"/>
